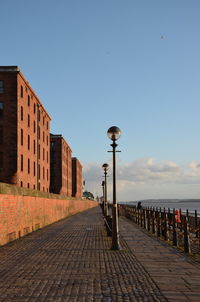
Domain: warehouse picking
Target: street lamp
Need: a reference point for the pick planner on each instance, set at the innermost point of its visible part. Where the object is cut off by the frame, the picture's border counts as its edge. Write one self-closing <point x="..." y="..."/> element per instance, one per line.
<point x="114" y="133"/>
<point x="105" y="168"/>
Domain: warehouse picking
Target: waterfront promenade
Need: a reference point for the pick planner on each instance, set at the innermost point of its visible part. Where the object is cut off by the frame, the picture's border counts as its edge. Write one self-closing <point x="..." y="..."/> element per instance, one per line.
<point x="71" y="260"/>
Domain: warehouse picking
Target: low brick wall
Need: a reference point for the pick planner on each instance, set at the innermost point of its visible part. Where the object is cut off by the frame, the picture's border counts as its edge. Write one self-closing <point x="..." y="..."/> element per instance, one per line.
<point x="20" y="215"/>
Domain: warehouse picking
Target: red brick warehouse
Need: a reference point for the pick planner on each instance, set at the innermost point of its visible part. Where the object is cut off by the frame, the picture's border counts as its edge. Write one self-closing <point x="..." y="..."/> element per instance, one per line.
<point x="24" y="133"/>
<point x="77" y="179"/>
<point x="61" y="166"/>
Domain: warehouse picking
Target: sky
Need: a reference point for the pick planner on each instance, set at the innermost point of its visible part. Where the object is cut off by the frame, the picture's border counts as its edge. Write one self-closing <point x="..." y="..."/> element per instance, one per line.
<point x="134" y="64"/>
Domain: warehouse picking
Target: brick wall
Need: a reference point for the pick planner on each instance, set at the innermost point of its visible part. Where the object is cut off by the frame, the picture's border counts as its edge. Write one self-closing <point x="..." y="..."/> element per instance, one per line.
<point x="20" y="215"/>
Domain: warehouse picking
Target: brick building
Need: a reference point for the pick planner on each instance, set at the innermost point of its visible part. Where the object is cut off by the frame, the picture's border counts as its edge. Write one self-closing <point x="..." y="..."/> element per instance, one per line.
<point x="60" y="166"/>
<point x="77" y="179"/>
<point x="24" y="133"/>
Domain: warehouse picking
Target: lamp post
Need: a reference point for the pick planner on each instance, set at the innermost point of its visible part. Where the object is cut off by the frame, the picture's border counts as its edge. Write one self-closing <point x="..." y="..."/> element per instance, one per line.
<point x="114" y="133"/>
<point x="105" y="168"/>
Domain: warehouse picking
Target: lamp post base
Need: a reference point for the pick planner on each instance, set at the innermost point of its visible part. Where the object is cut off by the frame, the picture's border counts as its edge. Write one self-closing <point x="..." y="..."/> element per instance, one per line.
<point x="115" y="246"/>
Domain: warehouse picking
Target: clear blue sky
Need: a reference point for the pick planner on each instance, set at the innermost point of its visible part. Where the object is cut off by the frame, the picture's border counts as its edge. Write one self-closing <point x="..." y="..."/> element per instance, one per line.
<point x="99" y="63"/>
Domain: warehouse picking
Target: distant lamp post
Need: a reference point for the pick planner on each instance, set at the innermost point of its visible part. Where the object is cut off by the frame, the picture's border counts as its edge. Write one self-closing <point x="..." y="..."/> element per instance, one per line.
<point x="103" y="203"/>
<point x="105" y="168"/>
<point x="114" y="133"/>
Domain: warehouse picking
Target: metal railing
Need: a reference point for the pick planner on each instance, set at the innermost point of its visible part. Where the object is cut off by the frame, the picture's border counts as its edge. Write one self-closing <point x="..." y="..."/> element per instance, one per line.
<point x="180" y="228"/>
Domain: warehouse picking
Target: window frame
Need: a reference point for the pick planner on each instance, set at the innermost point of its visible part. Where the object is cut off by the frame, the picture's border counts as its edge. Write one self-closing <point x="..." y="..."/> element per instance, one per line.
<point x="1" y="86"/>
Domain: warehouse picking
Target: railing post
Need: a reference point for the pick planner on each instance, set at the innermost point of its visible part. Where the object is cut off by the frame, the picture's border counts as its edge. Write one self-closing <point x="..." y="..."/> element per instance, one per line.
<point x="135" y="215"/>
<point x="138" y="216"/>
<point x="196" y="223"/>
<point x="148" y="220"/>
<point x="141" y="217"/>
<point x="144" y="217"/>
<point x="158" y="224"/>
<point x="199" y="236"/>
<point x="181" y="224"/>
<point x="166" y="227"/>
<point x="174" y="229"/>
<point x="153" y="221"/>
<point x="186" y="236"/>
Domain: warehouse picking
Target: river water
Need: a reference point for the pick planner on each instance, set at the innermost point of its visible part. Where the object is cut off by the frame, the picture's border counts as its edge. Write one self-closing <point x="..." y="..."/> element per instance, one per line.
<point x="190" y="205"/>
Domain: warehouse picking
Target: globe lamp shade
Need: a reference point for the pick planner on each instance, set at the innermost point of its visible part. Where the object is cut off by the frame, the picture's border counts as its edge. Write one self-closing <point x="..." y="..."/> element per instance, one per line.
<point x="114" y="133"/>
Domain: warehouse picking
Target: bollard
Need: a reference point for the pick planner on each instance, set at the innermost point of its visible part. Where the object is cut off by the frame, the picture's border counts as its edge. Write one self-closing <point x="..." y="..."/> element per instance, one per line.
<point x="108" y="223"/>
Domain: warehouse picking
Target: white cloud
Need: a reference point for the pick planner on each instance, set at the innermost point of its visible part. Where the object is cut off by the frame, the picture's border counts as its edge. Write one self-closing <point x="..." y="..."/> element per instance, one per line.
<point x="147" y="176"/>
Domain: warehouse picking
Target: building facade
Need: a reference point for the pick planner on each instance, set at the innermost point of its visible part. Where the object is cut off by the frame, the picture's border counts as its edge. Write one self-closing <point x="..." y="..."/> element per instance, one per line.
<point x="24" y="133"/>
<point x="60" y="166"/>
<point x="77" y="179"/>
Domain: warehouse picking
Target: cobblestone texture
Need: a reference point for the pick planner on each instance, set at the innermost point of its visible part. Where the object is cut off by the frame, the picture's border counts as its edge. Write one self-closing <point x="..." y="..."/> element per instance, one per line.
<point x="71" y="261"/>
<point x="177" y="275"/>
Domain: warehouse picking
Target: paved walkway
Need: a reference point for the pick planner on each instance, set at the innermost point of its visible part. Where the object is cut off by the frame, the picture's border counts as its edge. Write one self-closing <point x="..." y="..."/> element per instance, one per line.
<point x="176" y="275"/>
<point x="71" y="261"/>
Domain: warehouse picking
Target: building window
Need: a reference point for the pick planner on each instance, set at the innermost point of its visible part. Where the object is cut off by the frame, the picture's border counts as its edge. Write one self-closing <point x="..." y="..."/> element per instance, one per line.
<point x="34" y="146"/>
<point x="21" y="184"/>
<point x="38" y="132"/>
<point x="28" y="142"/>
<point x="22" y="113"/>
<point x="28" y="185"/>
<point x="47" y="125"/>
<point x="34" y="126"/>
<point x="22" y="91"/>
<point x="1" y="109"/>
<point x="1" y="87"/>
<point x="34" y="108"/>
<point x="1" y="134"/>
<point x="43" y="136"/>
<point x="28" y="100"/>
<point x="47" y="140"/>
<point x="22" y="162"/>
<point x="21" y="137"/>
<point x="47" y="156"/>
<point x="38" y="171"/>
<point x="38" y="114"/>
<point x="43" y="154"/>
<point x="34" y="187"/>
<point x="39" y="151"/>
<point x="43" y="173"/>
<point x="28" y="165"/>
<point x="1" y="160"/>
<point x="47" y="174"/>
<point x="34" y="168"/>
<point x="28" y="120"/>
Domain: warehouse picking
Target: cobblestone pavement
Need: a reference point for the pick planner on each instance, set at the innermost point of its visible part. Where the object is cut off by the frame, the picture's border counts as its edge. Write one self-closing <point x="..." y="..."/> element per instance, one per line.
<point x="71" y="261"/>
<point x="177" y="276"/>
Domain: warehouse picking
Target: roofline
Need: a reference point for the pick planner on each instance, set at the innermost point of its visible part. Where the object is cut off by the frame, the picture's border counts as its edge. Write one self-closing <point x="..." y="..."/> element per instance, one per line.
<point x="61" y="137"/>
<point x="17" y="70"/>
